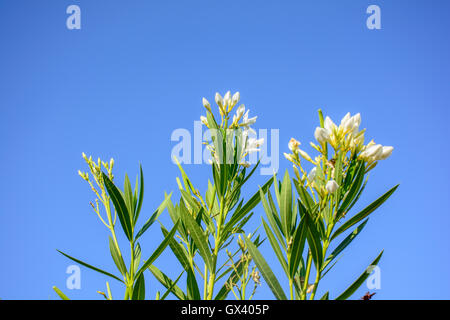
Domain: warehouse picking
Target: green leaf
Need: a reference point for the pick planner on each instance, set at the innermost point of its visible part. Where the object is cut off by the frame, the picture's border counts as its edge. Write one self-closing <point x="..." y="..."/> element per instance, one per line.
<point x="265" y="270"/>
<point x="141" y="193"/>
<point x="193" y="292"/>
<point x="158" y="250"/>
<point x="276" y="248"/>
<point x="298" y="244"/>
<point x="286" y="203"/>
<point x="60" y="293"/>
<point x="120" y="206"/>
<point x="128" y="197"/>
<point x="154" y="216"/>
<point x="344" y="244"/>
<point x="178" y="250"/>
<point x="200" y="240"/>
<point x="325" y="296"/>
<point x="246" y="208"/>
<point x="313" y="237"/>
<point x="89" y="266"/>
<point x="364" y="213"/>
<point x="272" y="216"/>
<point x="137" y="256"/>
<point x="171" y="286"/>
<point x="167" y="282"/>
<point x="355" y="285"/>
<point x="117" y="257"/>
<point x="305" y="198"/>
<point x="353" y="191"/>
<point x="139" y="288"/>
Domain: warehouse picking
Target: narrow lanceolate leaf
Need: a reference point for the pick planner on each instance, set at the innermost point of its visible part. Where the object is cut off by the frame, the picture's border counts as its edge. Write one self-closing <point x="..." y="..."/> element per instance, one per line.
<point x="178" y="250"/>
<point x="158" y="250"/>
<point x="265" y="270"/>
<point x="120" y="206"/>
<point x="325" y="296"/>
<point x="298" y="244"/>
<point x="286" y="203"/>
<point x="154" y="216"/>
<point x="272" y="215"/>
<point x="364" y="213"/>
<point x="276" y="247"/>
<point x="89" y="266"/>
<point x="305" y="198"/>
<point x="139" y="289"/>
<point x="128" y="197"/>
<point x="355" y="285"/>
<point x="141" y="193"/>
<point x="344" y="243"/>
<point x="313" y="237"/>
<point x="117" y="257"/>
<point x="353" y="191"/>
<point x="60" y="293"/>
<point x="193" y="292"/>
<point x="200" y="239"/>
<point x="171" y="287"/>
<point x="247" y="207"/>
<point x="167" y="282"/>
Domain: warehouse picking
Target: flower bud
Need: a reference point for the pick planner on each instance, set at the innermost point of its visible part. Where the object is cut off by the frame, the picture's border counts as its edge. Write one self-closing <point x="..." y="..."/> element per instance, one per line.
<point x="373" y="152"/>
<point x="305" y="155"/>
<point x="219" y="99"/>
<point x="204" y="120"/>
<point x="288" y="156"/>
<point x="206" y="104"/>
<point x="321" y="135"/>
<point x="386" y="153"/>
<point x="240" y="112"/>
<point x="236" y="98"/>
<point x="329" y="125"/>
<point x="293" y="145"/>
<point x="331" y="186"/>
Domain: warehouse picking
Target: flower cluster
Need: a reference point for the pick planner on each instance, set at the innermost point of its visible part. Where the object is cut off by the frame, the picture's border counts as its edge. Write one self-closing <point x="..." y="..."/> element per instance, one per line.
<point x="100" y="191"/>
<point x="346" y="140"/>
<point x="239" y="126"/>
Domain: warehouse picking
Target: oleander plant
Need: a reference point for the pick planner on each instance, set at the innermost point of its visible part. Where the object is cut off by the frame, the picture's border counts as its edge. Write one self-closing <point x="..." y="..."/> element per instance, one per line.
<point x="209" y="237"/>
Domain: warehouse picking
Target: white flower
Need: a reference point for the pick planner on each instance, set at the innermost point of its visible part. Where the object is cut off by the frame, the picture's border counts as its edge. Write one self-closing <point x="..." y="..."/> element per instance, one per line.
<point x="312" y="174"/>
<point x="386" y="153"/>
<point x="227" y="98"/>
<point x="293" y="144"/>
<point x="206" y="104"/>
<point x="246" y="122"/>
<point x="331" y="186"/>
<point x="219" y="99"/>
<point x="203" y="120"/>
<point x="253" y="145"/>
<point x="236" y="98"/>
<point x="322" y="135"/>
<point x="329" y="125"/>
<point x="346" y="122"/>
<point x="239" y="112"/>
<point x="373" y="152"/>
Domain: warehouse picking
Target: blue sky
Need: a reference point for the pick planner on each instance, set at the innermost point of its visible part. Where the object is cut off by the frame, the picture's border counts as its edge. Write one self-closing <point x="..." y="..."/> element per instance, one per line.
<point x="138" y="70"/>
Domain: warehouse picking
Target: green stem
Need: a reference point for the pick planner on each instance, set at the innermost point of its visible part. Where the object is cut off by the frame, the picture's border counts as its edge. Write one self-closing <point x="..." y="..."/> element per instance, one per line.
<point x="308" y="271"/>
